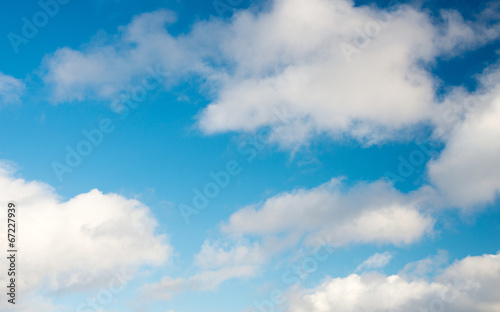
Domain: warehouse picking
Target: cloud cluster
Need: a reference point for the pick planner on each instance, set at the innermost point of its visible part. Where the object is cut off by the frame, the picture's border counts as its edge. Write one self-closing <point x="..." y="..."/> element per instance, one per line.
<point x="339" y="69"/>
<point x="342" y="70"/>
<point x="336" y="68"/>
<point x="330" y="214"/>
<point x="467" y="285"/>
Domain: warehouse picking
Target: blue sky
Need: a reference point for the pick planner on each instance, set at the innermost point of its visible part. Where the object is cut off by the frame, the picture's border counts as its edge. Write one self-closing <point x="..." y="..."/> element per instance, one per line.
<point x="363" y="131"/>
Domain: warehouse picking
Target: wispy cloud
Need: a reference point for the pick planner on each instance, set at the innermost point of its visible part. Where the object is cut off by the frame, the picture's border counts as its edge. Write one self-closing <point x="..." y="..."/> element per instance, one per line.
<point x="11" y="89"/>
<point x="376" y="261"/>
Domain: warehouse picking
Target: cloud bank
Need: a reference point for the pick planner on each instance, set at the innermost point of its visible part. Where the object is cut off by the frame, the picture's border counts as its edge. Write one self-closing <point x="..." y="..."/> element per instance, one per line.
<point x="467" y="285"/>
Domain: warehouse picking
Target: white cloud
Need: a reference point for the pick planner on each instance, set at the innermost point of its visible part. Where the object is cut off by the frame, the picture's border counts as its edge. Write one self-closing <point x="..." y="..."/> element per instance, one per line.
<point x="292" y="56"/>
<point x="11" y="89"/>
<point x="376" y="261"/>
<point x="330" y="214"/>
<point x="111" y="65"/>
<point x="289" y="56"/>
<point x="296" y="61"/>
<point x="467" y="285"/>
<point x="467" y="173"/>
<point x="74" y="243"/>
<point x="366" y="213"/>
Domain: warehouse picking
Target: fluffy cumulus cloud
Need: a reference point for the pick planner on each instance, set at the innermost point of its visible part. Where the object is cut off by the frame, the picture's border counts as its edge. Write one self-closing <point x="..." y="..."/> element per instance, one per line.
<point x="75" y="243"/>
<point x="11" y="89"/>
<point x="467" y="172"/>
<point x="338" y="69"/>
<point x="467" y="285"/>
<point x="365" y="213"/>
